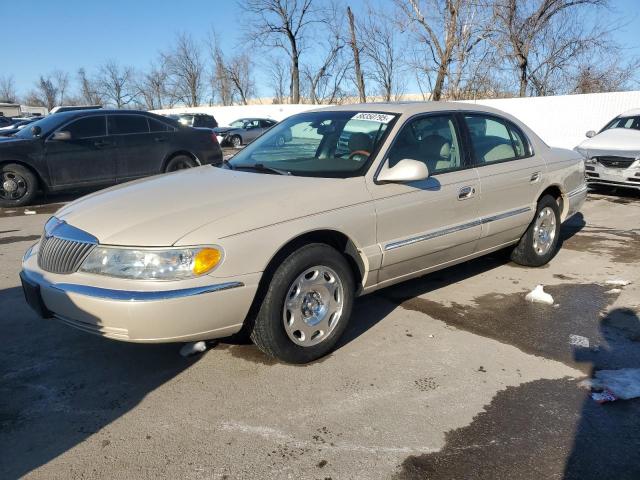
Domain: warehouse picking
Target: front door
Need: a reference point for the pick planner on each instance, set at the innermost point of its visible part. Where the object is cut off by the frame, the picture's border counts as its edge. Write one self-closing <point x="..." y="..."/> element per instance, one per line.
<point x="425" y="224"/>
<point x="88" y="158"/>
<point x="510" y="173"/>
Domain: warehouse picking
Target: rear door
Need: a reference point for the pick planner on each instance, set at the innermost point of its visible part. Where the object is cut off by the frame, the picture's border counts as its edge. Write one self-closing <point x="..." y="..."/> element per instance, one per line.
<point x="140" y="152"/>
<point x="510" y="173"/>
<point x="89" y="157"/>
<point x="428" y="223"/>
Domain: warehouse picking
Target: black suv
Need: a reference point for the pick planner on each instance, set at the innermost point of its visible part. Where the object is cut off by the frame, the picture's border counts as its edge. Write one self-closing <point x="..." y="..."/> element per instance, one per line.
<point x="197" y="120"/>
<point x="89" y="148"/>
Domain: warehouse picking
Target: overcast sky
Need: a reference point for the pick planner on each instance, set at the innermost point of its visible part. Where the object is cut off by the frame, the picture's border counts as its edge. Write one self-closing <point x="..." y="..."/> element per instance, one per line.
<point x="43" y="35"/>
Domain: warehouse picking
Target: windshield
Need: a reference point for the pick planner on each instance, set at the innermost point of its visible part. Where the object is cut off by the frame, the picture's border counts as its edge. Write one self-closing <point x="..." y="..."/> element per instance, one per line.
<point x="326" y="143"/>
<point x="624" y="122"/>
<point x="237" y="123"/>
<point x="47" y="124"/>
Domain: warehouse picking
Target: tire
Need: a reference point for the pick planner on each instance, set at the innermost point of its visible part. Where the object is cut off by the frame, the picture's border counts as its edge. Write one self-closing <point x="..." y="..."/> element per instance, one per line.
<point x="236" y="141"/>
<point x="316" y="298"/>
<point x="280" y="141"/>
<point x="539" y="244"/>
<point x="18" y="185"/>
<point x="180" y="162"/>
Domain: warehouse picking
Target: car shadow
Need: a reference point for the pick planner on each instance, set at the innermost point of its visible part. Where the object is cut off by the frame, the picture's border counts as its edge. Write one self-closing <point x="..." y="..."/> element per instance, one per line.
<point x="59" y="386"/>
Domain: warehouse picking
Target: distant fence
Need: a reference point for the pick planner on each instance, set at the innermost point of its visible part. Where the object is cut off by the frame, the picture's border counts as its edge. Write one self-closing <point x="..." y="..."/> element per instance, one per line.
<point x="561" y="121"/>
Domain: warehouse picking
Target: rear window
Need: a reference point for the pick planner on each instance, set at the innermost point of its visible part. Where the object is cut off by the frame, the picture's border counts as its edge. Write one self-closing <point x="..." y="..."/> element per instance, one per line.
<point x="127" y="124"/>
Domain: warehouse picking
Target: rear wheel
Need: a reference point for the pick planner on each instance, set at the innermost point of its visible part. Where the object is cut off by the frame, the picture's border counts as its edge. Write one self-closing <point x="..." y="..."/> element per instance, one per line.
<point x="236" y="141"/>
<point x="307" y="305"/>
<point x="180" y="162"/>
<point x="539" y="243"/>
<point x="18" y="185"/>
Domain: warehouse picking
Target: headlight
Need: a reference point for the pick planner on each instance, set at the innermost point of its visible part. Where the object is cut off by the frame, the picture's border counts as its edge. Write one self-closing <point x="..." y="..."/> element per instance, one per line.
<point x="152" y="264"/>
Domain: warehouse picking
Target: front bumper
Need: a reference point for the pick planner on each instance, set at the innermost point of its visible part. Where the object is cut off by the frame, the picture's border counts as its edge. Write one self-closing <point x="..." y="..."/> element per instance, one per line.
<point x="576" y="199"/>
<point x="616" y="177"/>
<point x="145" y="312"/>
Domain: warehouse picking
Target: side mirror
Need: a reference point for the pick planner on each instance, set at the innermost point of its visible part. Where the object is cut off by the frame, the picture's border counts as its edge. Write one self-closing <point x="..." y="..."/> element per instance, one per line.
<point x="61" y="135"/>
<point x="406" y="170"/>
<point x="591" y="134"/>
<point x="36" y="131"/>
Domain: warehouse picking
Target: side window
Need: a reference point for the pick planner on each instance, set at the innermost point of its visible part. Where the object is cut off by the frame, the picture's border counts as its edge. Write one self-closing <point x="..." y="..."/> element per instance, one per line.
<point x="158" y="126"/>
<point x="495" y="140"/>
<point x="87" y="127"/>
<point x="127" y="124"/>
<point x="432" y="140"/>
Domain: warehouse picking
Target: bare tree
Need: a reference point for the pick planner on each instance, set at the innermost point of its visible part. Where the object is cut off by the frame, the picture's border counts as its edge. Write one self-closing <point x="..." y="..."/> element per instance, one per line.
<point x="381" y="53"/>
<point x="283" y="24"/>
<point x="240" y="73"/>
<point x="536" y="37"/>
<point x="278" y="72"/>
<point x="187" y="70"/>
<point x="89" y="93"/>
<point x="356" y="49"/>
<point x="8" y="92"/>
<point x="152" y="87"/>
<point x="116" y="84"/>
<point x="605" y="75"/>
<point x="46" y="92"/>
<point x="221" y="84"/>
<point x="61" y="81"/>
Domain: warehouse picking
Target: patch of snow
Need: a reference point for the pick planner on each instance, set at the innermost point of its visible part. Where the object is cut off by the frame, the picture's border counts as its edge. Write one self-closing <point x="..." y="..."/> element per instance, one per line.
<point x="192" y="348"/>
<point x="617" y="282"/>
<point x="614" y="290"/>
<point x="29" y="212"/>
<point x="579" y="341"/>
<point x="623" y="383"/>
<point x="538" y="295"/>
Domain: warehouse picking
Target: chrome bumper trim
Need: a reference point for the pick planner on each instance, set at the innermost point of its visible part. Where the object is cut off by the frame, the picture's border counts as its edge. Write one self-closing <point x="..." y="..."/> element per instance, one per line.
<point x="457" y="228"/>
<point x="132" y="295"/>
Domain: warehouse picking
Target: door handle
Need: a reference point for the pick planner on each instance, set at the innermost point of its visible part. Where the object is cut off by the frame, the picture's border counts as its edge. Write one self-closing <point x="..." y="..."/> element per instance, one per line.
<point x="466" y="192"/>
<point x="101" y="144"/>
<point x="535" y="177"/>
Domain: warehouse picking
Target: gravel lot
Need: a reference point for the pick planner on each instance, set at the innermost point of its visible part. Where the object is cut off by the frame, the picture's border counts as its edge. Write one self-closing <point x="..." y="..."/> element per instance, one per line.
<point x="452" y="375"/>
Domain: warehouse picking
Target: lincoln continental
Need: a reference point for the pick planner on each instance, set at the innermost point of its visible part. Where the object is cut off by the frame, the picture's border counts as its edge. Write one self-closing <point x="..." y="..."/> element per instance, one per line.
<point x="277" y="243"/>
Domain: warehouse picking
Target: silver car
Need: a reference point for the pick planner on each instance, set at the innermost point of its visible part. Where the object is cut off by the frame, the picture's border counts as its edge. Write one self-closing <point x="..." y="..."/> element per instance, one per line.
<point x="243" y="131"/>
<point x="612" y="156"/>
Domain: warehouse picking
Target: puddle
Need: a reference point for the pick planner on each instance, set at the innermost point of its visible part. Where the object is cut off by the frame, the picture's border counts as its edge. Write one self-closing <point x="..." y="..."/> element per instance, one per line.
<point x="543" y="330"/>
<point x="541" y="429"/>
<point x="250" y="353"/>
<point x="623" y="249"/>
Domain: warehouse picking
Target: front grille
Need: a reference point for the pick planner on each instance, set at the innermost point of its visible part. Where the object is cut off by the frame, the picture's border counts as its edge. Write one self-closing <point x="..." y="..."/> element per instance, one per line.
<point x="615" y="162"/>
<point x="58" y="255"/>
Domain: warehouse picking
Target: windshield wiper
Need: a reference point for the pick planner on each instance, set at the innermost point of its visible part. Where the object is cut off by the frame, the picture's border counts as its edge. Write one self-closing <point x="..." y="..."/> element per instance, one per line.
<point x="260" y="167"/>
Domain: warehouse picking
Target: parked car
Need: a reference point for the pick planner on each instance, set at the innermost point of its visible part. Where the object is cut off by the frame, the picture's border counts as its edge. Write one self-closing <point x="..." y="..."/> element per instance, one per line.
<point x="612" y="156"/>
<point x="5" y="121"/>
<point x="90" y="148"/>
<point x="246" y="130"/>
<point x="278" y="242"/>
<point x="16" y="126"/>
<point x="201" y="120"/>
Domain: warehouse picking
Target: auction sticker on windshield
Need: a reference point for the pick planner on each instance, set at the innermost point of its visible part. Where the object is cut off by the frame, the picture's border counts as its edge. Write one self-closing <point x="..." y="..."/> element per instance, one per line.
<point x="373" y="117"/>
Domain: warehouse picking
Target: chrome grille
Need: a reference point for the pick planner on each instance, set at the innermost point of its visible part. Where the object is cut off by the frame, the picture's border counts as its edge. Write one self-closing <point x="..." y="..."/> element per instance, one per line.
<point x="57" y="255"/>
<point x="616" y="162"/>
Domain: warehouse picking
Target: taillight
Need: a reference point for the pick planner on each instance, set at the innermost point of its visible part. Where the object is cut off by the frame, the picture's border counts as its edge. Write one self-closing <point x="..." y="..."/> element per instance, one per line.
<point x="214" y="138"/>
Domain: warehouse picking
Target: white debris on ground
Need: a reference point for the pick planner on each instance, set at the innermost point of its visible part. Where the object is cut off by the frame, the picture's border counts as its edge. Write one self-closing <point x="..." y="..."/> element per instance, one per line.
<point x="192" y="348"/>
<point x="614" y="290"/>
<point x="579" y="341"/>
<point x="610" y="385"/>
<point x="29" y="212"/>
<point x="538" y="295"/>
<point x="617" y="282"/>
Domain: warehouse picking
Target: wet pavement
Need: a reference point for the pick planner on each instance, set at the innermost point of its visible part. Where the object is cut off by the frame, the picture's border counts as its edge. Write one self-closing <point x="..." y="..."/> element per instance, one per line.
<point x="453" y="375"/>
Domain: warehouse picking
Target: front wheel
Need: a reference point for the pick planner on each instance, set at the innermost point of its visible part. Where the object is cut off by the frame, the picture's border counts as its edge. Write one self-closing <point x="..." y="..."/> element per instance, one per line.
<point x="307" y="305"/>
<point x="236" y="141"/>
<point x="539" y="243"/>
<point x="18" y="185"/>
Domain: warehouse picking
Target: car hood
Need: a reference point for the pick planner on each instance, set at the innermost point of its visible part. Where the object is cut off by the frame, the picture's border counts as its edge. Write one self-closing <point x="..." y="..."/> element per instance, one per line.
<point x="159" y="211"/>
<point x="621" y="142"/>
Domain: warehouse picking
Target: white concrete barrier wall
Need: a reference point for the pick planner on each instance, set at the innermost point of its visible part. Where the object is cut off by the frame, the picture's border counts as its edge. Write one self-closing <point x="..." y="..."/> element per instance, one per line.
<point x="561" y="121"/>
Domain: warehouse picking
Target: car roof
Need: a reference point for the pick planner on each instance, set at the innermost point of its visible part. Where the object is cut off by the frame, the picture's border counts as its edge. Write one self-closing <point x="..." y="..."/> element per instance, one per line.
<point x="411" y="108"/>
<point x="631" y="113"/>
<point x="82" y="113"/>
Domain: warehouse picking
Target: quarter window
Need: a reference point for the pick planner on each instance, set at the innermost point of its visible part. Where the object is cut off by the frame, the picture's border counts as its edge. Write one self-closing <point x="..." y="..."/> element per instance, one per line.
<point x="495" y="140"/>
<point x="158" y="126"/>
<point x="127" y="124"/>
<point x="87" y="127"/>
<point x="432" y="140"/>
